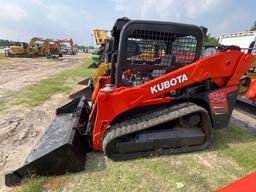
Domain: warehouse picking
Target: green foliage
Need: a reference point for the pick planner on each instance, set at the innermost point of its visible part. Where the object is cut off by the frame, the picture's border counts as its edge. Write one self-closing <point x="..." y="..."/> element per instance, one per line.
<point x="90" y="47"/>
<point x="253" y="27"/>
<point x="209" y="40"/>
<point x="6" y="43"/>
<point x="96" y="58"/>
<point x="79" y="46"/>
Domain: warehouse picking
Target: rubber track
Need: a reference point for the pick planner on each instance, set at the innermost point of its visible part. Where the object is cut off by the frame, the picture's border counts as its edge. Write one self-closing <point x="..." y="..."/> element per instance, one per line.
<point x="151" y="119"/>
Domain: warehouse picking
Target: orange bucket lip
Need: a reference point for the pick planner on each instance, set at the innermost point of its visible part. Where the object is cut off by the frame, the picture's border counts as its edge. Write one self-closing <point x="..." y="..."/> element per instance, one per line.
<point x="247" y="184"/>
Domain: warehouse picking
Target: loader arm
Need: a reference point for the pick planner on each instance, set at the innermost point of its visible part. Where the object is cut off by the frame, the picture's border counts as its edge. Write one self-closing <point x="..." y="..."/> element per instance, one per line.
<point x="45" y="44"/>
<point x="34" y="39"/>
<point x="45" y="49"/>
<point x="223" y="68"/>
<point x="57" y="44"/>
<point x="70" y="41"/>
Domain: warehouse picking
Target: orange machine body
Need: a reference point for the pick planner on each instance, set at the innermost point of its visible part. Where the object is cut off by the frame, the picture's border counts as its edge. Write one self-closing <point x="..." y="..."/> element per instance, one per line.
<point x="224" y="69"/>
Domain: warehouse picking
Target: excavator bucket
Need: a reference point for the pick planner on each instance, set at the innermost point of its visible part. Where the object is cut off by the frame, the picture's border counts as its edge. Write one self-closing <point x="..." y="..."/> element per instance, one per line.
<point x="62" y="147"/>
<point x="83" y="88"/>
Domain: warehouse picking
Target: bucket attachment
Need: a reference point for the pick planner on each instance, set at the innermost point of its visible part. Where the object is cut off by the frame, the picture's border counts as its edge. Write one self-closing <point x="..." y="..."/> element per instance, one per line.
<point x="96" y="62"/>
<point x="62" y="147"/>
<point x="83" y="88"/>
<point x="93" y="65"/>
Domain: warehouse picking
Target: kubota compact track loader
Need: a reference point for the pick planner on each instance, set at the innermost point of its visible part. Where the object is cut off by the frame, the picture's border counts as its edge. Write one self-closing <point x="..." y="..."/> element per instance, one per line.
<point x="167" y="101"/>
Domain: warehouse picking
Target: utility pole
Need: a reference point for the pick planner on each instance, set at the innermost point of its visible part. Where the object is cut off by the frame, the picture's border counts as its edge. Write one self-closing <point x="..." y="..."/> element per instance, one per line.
<point x="92" y="40"/>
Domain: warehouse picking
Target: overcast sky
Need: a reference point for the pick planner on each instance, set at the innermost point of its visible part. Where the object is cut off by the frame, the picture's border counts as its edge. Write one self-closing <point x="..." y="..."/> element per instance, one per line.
<point x="23" y="19"/>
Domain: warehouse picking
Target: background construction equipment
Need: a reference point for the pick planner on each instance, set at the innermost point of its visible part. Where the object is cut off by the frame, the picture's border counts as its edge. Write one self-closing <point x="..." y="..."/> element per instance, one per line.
<point x="246" y="42"/>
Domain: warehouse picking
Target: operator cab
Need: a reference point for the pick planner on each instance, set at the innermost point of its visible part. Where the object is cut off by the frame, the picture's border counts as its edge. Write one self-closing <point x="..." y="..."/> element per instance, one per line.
<point x="154" y="49"/>
<point x="21" y="44"/>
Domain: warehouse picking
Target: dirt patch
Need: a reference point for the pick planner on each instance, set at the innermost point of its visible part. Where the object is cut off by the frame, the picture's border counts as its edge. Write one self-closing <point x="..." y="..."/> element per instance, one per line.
<point x="244" y="119"/>
<point x="21" y="127"/>
<point x="17" y="73"/>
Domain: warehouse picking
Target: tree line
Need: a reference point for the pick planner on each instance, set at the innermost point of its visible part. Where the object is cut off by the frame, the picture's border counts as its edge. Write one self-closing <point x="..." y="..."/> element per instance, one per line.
<point x="210" y="40"/>
<point x="6" y="43"/>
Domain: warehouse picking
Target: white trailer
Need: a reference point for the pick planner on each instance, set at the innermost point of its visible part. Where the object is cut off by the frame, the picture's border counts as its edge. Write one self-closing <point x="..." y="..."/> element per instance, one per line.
<point x="246" y="41"/>
<point x="243" y="39"/>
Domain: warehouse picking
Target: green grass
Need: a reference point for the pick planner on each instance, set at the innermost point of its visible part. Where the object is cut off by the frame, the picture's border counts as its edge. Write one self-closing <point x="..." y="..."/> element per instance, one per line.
<point x="44" y="184"/>
<point x="231" y="156"/>
<point x="6" y="98"/>
<point x="59" y="83"/>
<point x="2" y="56"/>
<point x="238" y="145"/>
<point x="34" y="185"/>
<point x="3" y="106"/>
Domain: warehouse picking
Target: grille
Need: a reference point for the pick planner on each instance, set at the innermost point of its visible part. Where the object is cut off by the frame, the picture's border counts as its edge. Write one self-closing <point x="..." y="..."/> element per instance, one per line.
<point x="151" y="54"/>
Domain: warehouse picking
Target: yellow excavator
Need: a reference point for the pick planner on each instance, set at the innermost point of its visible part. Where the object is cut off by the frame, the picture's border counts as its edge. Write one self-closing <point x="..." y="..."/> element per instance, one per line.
<point x="23" y="49"/>
<point x="103" y="39"/>
<point x="52" y="48"/>
<point x="45" y="49"/>
<point x="18" y="49"/>
<point x="101" y="35"/>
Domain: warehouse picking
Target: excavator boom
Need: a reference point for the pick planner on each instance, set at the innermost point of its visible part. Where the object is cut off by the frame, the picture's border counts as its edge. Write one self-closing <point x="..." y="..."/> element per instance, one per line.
<point x="101" y="36"/>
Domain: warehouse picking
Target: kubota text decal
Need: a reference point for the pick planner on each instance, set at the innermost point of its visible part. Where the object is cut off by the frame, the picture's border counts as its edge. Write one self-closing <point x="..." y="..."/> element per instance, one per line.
<point x="169" y="83"/>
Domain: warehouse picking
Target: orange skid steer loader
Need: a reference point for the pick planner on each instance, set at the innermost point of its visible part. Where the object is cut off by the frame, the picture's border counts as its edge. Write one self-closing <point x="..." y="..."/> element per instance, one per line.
<point x="147" y="106"/>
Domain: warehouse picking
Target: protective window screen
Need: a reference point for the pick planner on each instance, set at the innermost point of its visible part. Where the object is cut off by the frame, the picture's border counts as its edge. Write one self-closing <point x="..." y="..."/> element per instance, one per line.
<point x="152" y="54"/>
